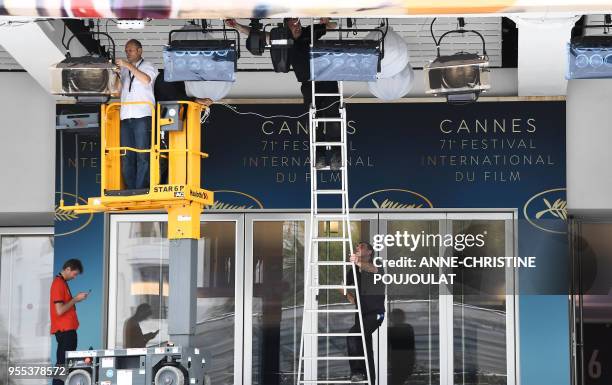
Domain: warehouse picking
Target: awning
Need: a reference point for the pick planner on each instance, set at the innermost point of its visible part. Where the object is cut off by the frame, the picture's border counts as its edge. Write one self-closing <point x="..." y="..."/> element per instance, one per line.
<point x="187" y="9"/>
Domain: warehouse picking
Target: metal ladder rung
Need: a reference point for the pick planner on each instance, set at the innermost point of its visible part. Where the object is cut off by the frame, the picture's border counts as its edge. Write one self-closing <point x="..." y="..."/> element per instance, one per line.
<point x="332" y="311"/>
<point x="330" y="239"/>
<point x="329" y="192"/>
<point x="331" y="263"/>
<point x="334" y="358"/>
<point x="335" y="144"/>
<point x="316" y="120"/>
<point x="332" y="382"/>
<point x="331" y="287"/>
<point x="334" y="334"/>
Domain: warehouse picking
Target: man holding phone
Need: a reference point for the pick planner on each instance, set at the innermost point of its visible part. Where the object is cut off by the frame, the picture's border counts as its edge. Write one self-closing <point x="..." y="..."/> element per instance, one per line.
<point x="62" y="309"/>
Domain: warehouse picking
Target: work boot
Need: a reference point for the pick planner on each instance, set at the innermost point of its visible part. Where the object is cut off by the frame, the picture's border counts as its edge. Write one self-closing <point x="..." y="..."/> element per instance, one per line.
<point x="336" y="161"/>
<point x="321" y="161"/>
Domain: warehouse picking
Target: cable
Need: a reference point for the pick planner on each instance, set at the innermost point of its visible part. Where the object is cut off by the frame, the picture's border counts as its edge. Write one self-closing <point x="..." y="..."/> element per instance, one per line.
<point x="19" y="23"/>
<point x="64" y="36"/>
<point x="432" y="32"/>
<point x="235" y="110"/>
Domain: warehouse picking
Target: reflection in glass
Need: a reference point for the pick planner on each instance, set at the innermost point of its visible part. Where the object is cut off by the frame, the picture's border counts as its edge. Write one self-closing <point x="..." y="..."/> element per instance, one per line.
<point x="278" y="297"/>
<point x="142" y="283"/>
<point x="142" y="278"/>
<point x="479" y="311"/>
<point x="592" y="300"/>
<point x="413" y="350"/>
<point x="24" y="303"/>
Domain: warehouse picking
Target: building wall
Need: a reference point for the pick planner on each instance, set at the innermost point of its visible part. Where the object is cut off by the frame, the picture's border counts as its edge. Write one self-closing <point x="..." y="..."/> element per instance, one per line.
<point x="589" y="137"/>
<point x="27" y="151"/>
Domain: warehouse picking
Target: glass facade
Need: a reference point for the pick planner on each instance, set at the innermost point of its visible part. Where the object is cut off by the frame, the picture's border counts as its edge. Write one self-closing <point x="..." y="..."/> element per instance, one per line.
<point x="278" y="297"/>
<point x="413" y="344"/>
<point x="249" y="328"/>
<point x="26" y="272"/>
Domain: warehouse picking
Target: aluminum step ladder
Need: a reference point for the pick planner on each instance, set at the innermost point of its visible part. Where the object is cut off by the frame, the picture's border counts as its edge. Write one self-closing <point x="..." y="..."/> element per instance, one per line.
<point x="311" y="305"/>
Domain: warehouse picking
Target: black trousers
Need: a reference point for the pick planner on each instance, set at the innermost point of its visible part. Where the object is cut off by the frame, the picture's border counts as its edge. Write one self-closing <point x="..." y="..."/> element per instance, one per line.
<point x="66" y="341"/>
<point x="355" y="347"/>
<point x="327" y="107"/>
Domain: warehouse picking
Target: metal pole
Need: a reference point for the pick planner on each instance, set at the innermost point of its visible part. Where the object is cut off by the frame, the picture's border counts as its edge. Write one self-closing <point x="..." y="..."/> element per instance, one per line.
<point x="61" y="165"/>
<point x="76" y="178"/>
<point x="183" y="255"/>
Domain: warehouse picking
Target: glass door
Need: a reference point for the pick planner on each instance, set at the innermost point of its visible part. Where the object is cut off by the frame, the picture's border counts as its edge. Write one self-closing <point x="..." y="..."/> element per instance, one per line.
<point x="411" y="332"/>
<point x="274" y="297"/>
<point x="138" y="279"/>
<point x="483" y="302"/>
<point x="450" y="334"/>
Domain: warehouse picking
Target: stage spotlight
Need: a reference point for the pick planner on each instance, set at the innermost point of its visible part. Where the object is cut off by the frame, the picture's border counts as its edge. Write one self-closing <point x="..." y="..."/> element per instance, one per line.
<point x="280" y="42"/>
<point x="589" y="57"/>
<point x="89" y="78"/>
<point x="194" y="60"/>
<point x="346" y="59"/>
<point x="256" y="42"/>
<point x="461" y="77"/>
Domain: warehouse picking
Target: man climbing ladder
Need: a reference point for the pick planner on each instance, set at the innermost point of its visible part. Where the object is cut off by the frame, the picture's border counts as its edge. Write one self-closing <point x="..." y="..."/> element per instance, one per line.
<point x="372" y="311"/>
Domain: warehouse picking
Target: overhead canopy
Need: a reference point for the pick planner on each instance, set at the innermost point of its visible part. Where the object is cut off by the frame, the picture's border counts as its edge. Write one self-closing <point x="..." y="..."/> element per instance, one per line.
<point x="163" y="9"/>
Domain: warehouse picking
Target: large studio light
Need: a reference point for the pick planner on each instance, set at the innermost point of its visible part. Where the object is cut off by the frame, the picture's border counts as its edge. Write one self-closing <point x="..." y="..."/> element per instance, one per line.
<point x="461" y="77"/>
<point x="346" y="59"/>
<point x="87" y="78"/>
<point x="206" y="59"/>
<point x="256" y="41"/>
<point x="280" y="43"/>
<point x="590" y="57"/>
<point x="214" y="90"/>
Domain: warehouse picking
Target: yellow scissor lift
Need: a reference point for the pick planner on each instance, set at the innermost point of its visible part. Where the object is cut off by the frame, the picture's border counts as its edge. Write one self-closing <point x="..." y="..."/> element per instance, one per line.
<point x="183" y="198"/>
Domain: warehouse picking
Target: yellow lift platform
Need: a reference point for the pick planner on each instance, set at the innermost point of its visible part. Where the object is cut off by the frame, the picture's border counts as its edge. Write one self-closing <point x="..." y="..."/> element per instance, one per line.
<point x="181" y="196"/>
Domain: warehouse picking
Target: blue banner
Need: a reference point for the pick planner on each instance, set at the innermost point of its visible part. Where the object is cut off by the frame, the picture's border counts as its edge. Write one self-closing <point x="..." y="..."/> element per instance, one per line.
<point x="505" y="155"/>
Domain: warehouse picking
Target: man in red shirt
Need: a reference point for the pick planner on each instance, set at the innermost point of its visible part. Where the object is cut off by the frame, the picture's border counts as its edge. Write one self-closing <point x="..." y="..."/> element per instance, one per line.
<point x="64" y="321"/>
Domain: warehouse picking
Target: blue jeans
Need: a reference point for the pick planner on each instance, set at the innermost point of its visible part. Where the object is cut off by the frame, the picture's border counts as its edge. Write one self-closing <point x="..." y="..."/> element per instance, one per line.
<point x="136" y="133"/>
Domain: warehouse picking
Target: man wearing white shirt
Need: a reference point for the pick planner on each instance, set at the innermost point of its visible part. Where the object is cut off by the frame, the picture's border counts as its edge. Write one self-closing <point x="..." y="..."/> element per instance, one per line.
<point x="137" y="80"/>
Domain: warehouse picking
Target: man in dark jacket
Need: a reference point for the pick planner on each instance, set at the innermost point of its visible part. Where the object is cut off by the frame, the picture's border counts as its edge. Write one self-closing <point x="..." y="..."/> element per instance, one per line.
<point x="372" y="311"/>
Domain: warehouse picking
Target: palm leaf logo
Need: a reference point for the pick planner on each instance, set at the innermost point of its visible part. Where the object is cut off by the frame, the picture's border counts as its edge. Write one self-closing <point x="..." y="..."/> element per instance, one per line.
<point x="389" y="204"/>
<point x="227" y="206"/>
<point x="64" y="215"/>
<point x="557" y="209"/>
